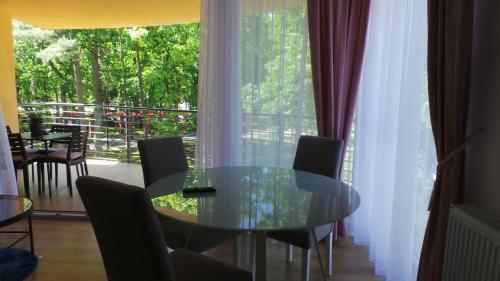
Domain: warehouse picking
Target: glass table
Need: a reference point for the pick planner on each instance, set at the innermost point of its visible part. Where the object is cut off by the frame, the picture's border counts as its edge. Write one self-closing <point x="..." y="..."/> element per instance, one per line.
<point x="255" y="199"/>
<point x="14" y="209"/>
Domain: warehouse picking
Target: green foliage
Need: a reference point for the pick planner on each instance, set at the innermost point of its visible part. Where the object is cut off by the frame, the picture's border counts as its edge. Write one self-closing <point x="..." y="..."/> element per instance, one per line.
<point x="46" y="61"/>
<point x="35" y="117"/>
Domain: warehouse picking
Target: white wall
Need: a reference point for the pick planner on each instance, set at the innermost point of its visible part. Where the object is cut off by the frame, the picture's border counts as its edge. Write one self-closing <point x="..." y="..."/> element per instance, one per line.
<point x="482" y="186"/>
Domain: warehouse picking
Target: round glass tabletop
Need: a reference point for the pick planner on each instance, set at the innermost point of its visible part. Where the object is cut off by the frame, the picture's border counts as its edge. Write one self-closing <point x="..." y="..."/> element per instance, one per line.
<point x="13" y="208"/>
<point x="254" y="198"/>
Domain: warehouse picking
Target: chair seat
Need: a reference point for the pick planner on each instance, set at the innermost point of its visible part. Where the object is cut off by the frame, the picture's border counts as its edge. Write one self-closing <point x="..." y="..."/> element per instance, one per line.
<point x="202" y="238"/>
<point x="31" y="157"/>
<point x="31" y="150"/>
<point x="58" y="149"/>
<point x="301" y="238"/>
<point x="62" y="156"/>
<point x="190" y="266"/>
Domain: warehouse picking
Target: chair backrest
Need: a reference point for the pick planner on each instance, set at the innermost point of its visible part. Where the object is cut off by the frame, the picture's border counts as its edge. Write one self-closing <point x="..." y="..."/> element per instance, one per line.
<point x="65" y="128"/>
<point x="127" y="230"/>
<point x="78" y="141"/>
<point x="85" y="142"/>
<point x="9" y="131"/>
<point x="319" y="155"/>
<point x="161" y="158"/>
<point x="17" y="145"/>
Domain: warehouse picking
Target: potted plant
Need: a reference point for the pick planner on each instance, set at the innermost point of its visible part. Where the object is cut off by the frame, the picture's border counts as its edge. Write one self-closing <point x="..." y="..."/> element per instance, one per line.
<point x="36" y="124"/>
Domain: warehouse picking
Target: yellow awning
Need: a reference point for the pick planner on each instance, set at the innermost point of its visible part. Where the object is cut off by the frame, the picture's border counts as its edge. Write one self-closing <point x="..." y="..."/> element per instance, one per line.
<point x="72" y="14"/>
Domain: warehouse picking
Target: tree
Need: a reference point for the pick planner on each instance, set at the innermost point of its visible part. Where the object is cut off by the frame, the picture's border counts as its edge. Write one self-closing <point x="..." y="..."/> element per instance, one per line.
<point x="154" y="66"/>
<point x="136" y="34"/>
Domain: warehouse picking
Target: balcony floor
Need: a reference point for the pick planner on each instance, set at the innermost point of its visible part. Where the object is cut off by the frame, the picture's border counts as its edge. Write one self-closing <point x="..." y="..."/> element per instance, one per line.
<point x="61" y="201"/>
<point x="69" y="250"/>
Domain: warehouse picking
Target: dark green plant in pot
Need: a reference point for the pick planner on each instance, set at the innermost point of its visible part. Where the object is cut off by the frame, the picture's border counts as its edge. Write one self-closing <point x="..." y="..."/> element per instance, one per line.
<point x="36" y="124"/>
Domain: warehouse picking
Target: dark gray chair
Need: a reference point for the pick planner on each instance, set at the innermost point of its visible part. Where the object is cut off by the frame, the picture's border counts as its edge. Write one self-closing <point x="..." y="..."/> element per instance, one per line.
<point x="320" y="156"/>
<point x="164" y="157"/>
<point x="131" y="241"/>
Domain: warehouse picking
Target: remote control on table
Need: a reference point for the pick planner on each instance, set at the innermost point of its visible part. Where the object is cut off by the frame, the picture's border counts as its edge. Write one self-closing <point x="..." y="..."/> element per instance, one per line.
<point x="206" y="189"/>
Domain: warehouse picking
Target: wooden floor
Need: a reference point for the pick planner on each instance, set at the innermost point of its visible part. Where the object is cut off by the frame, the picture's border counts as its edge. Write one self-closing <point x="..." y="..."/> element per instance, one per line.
<point x="69" y="250"/>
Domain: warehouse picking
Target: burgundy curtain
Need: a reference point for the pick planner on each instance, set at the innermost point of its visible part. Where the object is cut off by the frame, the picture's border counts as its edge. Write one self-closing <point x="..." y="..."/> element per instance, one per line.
<point x="337" y="32"/>
<point x="449" y="63"/>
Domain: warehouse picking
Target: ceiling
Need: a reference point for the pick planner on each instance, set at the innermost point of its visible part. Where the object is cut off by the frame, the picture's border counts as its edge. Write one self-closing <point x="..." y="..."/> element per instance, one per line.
<point x="75" y="14"/>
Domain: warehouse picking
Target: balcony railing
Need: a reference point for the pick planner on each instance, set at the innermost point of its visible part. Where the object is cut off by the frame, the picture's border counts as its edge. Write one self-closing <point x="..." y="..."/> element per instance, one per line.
<point x="114" y="130"/>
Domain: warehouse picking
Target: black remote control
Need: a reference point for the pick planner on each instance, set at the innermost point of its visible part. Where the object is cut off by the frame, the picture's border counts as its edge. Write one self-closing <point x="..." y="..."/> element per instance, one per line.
<point x="199" y="190"/>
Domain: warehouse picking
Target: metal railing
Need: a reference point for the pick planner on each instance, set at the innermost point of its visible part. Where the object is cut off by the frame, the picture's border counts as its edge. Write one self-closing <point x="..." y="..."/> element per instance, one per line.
<point x="114" y="130"/>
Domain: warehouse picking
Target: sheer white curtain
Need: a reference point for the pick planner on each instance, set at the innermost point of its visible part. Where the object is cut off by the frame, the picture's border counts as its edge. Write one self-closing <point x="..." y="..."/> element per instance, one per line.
<point x="8" y="184"/>
<point x="255" y="91"/>
<point x="394" y="150"/>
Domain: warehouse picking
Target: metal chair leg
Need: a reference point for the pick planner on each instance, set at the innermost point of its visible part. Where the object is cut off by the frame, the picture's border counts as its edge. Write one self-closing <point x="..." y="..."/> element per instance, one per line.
<point x="329" y="254"/>
<point x="30" y="227"/>
<point x="236" y="253"/>
<point x="42" y="174"/>
<point x="49" y="178"/>
<point x="289" y="253"/>
<point x="56" y="178"/>
<point x="319" y="254"/>
<point x="33" y="173"/>
<point x="68" y="179"/>
<point x="39" y="177"/>
<point x="26" y="178"/>
<point x="306" y="265"/>
<point x="86" y="168"/>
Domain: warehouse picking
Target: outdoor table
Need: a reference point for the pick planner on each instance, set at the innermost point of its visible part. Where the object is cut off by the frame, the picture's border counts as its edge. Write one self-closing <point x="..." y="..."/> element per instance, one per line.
<point x="45" y="138"/>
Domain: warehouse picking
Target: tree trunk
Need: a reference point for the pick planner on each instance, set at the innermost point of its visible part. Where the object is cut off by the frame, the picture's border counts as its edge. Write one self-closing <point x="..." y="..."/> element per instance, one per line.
<point x="96" y="79"/>
<point x="97" y="92"/>
<point x="61" y="89"/>
<point x="139" y="74"/>
<point x="124" y="76"/>
<point x="33" y="80"/>
<point x="78" y="79"/>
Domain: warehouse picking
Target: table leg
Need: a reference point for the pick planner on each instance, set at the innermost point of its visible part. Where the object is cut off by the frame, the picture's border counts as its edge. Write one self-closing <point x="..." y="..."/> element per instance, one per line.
<point x="31" y="235"/>
<point x="49" y="172"/>
<point x="319" y="254"/>
<point x="259" y="259"/>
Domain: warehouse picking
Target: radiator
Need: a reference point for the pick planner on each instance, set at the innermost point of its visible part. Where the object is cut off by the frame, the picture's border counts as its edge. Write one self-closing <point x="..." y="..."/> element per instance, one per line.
<point x="472" y="250"/>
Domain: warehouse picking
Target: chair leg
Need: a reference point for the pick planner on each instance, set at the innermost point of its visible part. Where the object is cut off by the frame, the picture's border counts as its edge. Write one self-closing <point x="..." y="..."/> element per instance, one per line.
<point x="56" y="178"/>
<point x="49" y="170"/>
<point x="236" y="254"/>
<point x="77" y="171"/>
<point x="39" y="178"/>
<point x="329" y="254"/>
<point x="252" y="254"/>
<point x="42" y="175"/>
<point x="289" y="252"/>
<point x="49" y="178"/>
<point x="82" y="171"/>
<point x="26" y="176"/>
<point x="86" y="168"/>
<point x="68" y="179"/>
<point x="306" y="265"/>
<point x="33" y="173"/>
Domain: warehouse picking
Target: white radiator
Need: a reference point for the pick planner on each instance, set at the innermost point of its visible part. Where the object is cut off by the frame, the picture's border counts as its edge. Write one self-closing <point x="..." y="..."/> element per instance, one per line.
<point x="472" y="245"/>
